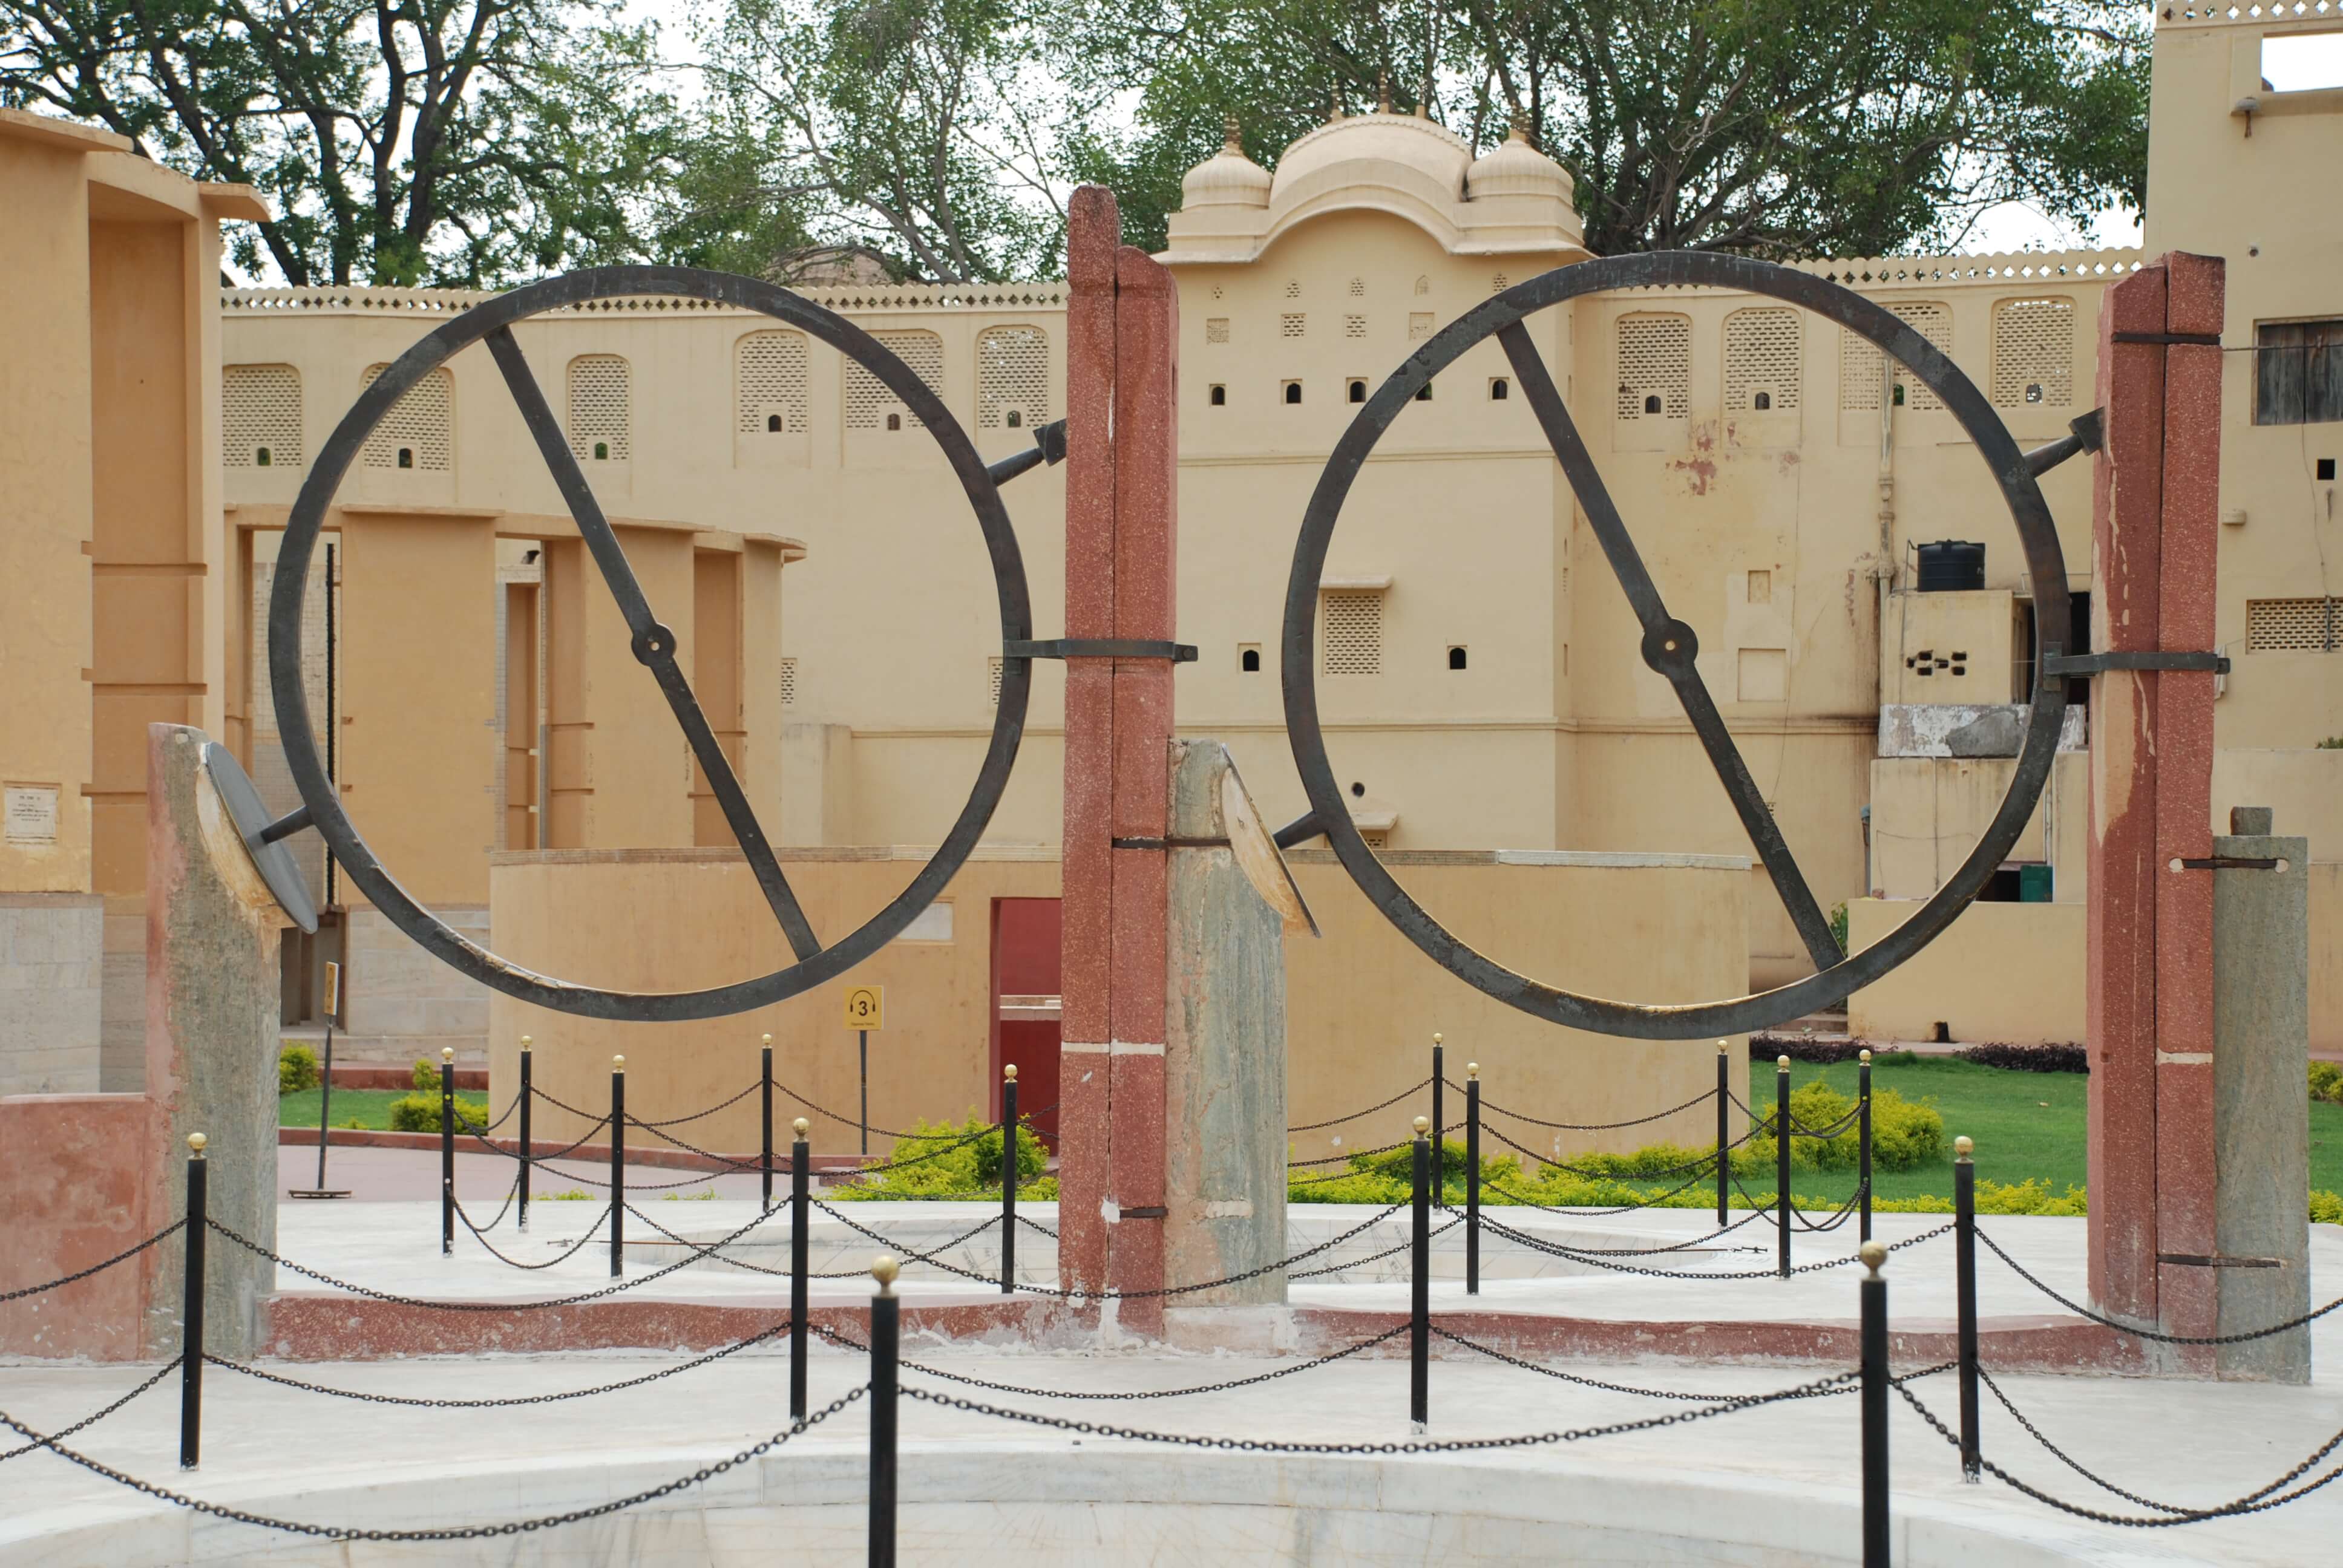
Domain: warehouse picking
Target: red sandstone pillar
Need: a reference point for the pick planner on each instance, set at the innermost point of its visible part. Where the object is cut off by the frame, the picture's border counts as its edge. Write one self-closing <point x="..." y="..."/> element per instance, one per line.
<point x="1093" y="231"/>
<point x="1121" y="457"/>
<point x="2152" y="1174"/>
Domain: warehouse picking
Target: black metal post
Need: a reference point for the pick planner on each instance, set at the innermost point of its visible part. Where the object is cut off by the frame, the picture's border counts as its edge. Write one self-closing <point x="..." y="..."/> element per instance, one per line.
<point x="617" y="1165"/>
<point x="527" y="1148"/>
<point x="191" y="1311"/>
<point x="1419" y="1330"/>
<point x="1782" y="1165"/>
<point x="325" y="1105"/>
<point x="1874" y="1408"/>
<point x="885" y="1337"/>
<point x="1008" y="1179"/>
<point x="1863" y="1143"/>
<point x="1472" y="1178"/>
<point x="1439" y="1082"/>
<point x="1965" y="1303"/>
<point x="801" y="1253"/>
<point x="447" y="1150"/>
<point x="765" y="1101"/>
<point x="1723" y="1105"/>
<point x="865" y="1035"/>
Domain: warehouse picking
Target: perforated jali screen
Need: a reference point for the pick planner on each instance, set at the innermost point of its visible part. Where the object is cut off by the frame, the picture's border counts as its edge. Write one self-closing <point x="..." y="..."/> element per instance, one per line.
<point x="1012" y="374"/>
<point x="1761" y="354"/>
<point x="415" y="433"/>
<point x="1654" y="361"/>
<point x="770" y="382"/>
<point x="2034" y="352"/>
<point x="601" y="410"/>
<point x="260" y="411"/>
<point x="1859" y="361"/>
<point x="1354" y="632"/>
<point x="867" y="401"/>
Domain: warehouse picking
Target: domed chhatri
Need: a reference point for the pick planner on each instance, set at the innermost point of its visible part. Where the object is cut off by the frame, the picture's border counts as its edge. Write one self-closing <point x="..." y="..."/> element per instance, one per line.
<point x="1515" y="168"/>
<point x="1227" y="178"/>
<point x="1514" y="200"/>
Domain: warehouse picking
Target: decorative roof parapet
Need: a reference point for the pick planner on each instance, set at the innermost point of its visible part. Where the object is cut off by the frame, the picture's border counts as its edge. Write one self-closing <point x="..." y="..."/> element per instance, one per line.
<point x="2253" y="13"/>
<point x="2001" y="270"/>
<point x="903" y="297"/>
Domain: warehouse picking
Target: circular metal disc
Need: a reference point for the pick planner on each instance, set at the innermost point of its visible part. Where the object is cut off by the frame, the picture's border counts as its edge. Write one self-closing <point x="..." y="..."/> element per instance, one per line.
<point x="275" y="862"/>
<point x="350" y="851"/>
<point x="2045" y="565"/>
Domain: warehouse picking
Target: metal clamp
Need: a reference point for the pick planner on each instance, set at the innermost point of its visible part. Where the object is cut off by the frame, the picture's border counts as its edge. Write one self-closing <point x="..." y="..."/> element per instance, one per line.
<point x="2090" y="432"/>
<point x="1101" y="648"/>
<point x="2055" y="663"/>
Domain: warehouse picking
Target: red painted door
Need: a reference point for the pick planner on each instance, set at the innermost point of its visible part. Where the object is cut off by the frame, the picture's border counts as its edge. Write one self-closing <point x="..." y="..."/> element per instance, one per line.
<point x="1025" y="934"/>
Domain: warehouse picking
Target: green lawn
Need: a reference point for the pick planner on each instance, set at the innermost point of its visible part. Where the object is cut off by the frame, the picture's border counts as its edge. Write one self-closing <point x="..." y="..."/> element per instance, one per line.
<point x="2024" y="1125"/>
<point x="367" y="1107"/>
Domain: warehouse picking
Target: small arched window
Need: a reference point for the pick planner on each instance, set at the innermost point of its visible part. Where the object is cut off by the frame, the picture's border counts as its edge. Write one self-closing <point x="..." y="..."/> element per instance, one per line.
<point x="1294" y="391"/>
<point x="1423" y="392"/>
<point x="406" y="457"/>
<point x="1456" y="658"/>
<point x="1651" y="403"/>
<point x="1761" y="400"/>
<point x="773" y="424"/>
<point x="1250" y="661"/>
<point x="1358" y="391"/>
<point x="894" y="421"/>
<point x="601" y="451"/>
<point x="1500" y="390"/>
<point x="1015" y="420"/>
<point x="1220" y="394"/>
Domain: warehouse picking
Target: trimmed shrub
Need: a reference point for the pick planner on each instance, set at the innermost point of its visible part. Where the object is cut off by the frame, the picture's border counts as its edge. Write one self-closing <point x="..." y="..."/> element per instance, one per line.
<point x="420" y="1112"/>
<point x="426" y="1075"/>
<point x="1906" y="1134"/>
<point x="2029" y="1058"/>
<point x="2327" y="1082"/>
<point x="971" y="1168"/>
<point x="296" y="1070"/>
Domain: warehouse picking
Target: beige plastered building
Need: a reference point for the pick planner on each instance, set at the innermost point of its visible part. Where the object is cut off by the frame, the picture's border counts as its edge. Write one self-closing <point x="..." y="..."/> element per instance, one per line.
<point x="1484" y="701"/>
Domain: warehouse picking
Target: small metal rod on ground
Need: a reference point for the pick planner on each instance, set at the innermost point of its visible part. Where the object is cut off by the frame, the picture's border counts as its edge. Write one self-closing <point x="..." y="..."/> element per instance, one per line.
<point x="886" y="1328"/>
<point x="765" y="1102"/>
<point x="1008" y="1179"/>
<point x="1419" y="1322"/>
<point x="447" y="1150"/>
<point x="1723" y="1104"/>
<point x="617" y="1165"/>
<point x="1965" y="1300"/>
<point x="528" y="1150"/>
<point x="801" y="1209"/>
<point x="1472" y="1178"/>
<point x="1874" y="1408"/>
<point x="1782" y="1165"/>
<point x="1863" y="1144"/>
<point x="191" y="1311"/>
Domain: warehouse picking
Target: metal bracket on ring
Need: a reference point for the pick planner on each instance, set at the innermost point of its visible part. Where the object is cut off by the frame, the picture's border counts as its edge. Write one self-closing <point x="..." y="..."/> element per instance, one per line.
<point x="1102" y="647"/>
<point x="2146" y="658"/>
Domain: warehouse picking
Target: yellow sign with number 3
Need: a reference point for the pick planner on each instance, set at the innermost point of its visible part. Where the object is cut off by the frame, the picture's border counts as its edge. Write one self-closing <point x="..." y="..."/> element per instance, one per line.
<point x="866" y="1006"/>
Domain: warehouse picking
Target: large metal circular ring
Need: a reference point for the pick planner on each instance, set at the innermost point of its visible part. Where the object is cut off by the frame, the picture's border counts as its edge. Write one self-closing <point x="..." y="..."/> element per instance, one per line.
<point x="2038" y="538"/>
<point x="358" y="861"/>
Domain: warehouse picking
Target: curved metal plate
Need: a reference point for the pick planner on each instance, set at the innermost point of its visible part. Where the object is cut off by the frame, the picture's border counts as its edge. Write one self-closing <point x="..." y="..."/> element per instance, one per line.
<point x="1258" y="857"/>
<point x="275" y="862"/>
<point x="493" y="318"/>
<point x="2045" y="565"/>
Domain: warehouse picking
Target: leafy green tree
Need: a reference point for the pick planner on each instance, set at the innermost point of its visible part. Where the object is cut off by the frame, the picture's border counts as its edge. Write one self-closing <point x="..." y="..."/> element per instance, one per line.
<point x="1767" y="127"/>
<point x="457" y="142"/>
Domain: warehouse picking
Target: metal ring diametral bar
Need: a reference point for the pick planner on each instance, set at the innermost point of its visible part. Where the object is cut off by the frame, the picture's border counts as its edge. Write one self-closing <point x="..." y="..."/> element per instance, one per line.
<point x="485" y="322"/>
<point x="1503" y="314"/>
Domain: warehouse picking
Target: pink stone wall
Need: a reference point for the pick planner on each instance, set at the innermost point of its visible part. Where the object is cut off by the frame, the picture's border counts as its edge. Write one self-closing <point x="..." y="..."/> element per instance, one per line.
<point x="75" y="1191"/>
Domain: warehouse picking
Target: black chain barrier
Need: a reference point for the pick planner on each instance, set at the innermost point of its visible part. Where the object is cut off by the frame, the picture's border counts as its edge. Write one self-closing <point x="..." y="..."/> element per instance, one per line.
<point x="450" y="1532"/>
<point x="1487" y="1104"/>
<point x="2259" y="1501"/>
<point x="123" y="1257"/>
<point x="1658" y="1201"/>
<point x="466" y="1124"/>
<point x="759" y="1337"/>
<point x="697" y="1115"/>
<point x="1556" y="1373"/>
<point x="562" y="1257"/>
<point x="1453" y="1445"/>
<point x="2062" y="1456"/>
<point x="1369" y="1111"/>
<point x="1557" y="1250"/>
<point x="165" y="1370"/>
<point x="506" y="1208"/>
<point x="1696" y="1243"/>
<point x="1347" y="1350"/>
<point x="896" y="1248"/>
<point x="1838" y="1215"/>
<point x="1706" y="1164"/>
<point x="847" y="1121"/>
<point x="1350" y="1263"/>
<point x="751" y="1167"/>
<point x="2080" y="1310"/>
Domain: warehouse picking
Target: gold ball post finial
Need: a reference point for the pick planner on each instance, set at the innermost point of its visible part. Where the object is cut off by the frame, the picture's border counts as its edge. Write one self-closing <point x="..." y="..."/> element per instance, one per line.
<point x="1864" y="1056"/>
<point x="1436" y="1038"/>
<point x="1422" y="1125"/>
<point x="1962" y="1149"/>
<point x="448" y="1053"/>
<point x="1472" y="1070"/>
<point x="1009" y="1074"/>
<point x="766" y="1042"/>
<point x="1723" y="1046"/>
<point x="800" y="1127"/>
<point x="1781" y="1064"/>
<point x="1872" y="1254"/>
<point x="618" y="1064"/>
<point x="883" y="1269"/>
<point x="525" y="1042"/>
<point x="196" y="1142"/>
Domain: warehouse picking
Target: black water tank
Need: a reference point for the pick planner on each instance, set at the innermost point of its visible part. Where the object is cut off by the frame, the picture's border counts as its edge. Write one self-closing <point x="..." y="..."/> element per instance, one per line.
<point x="1950" y="566"/>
